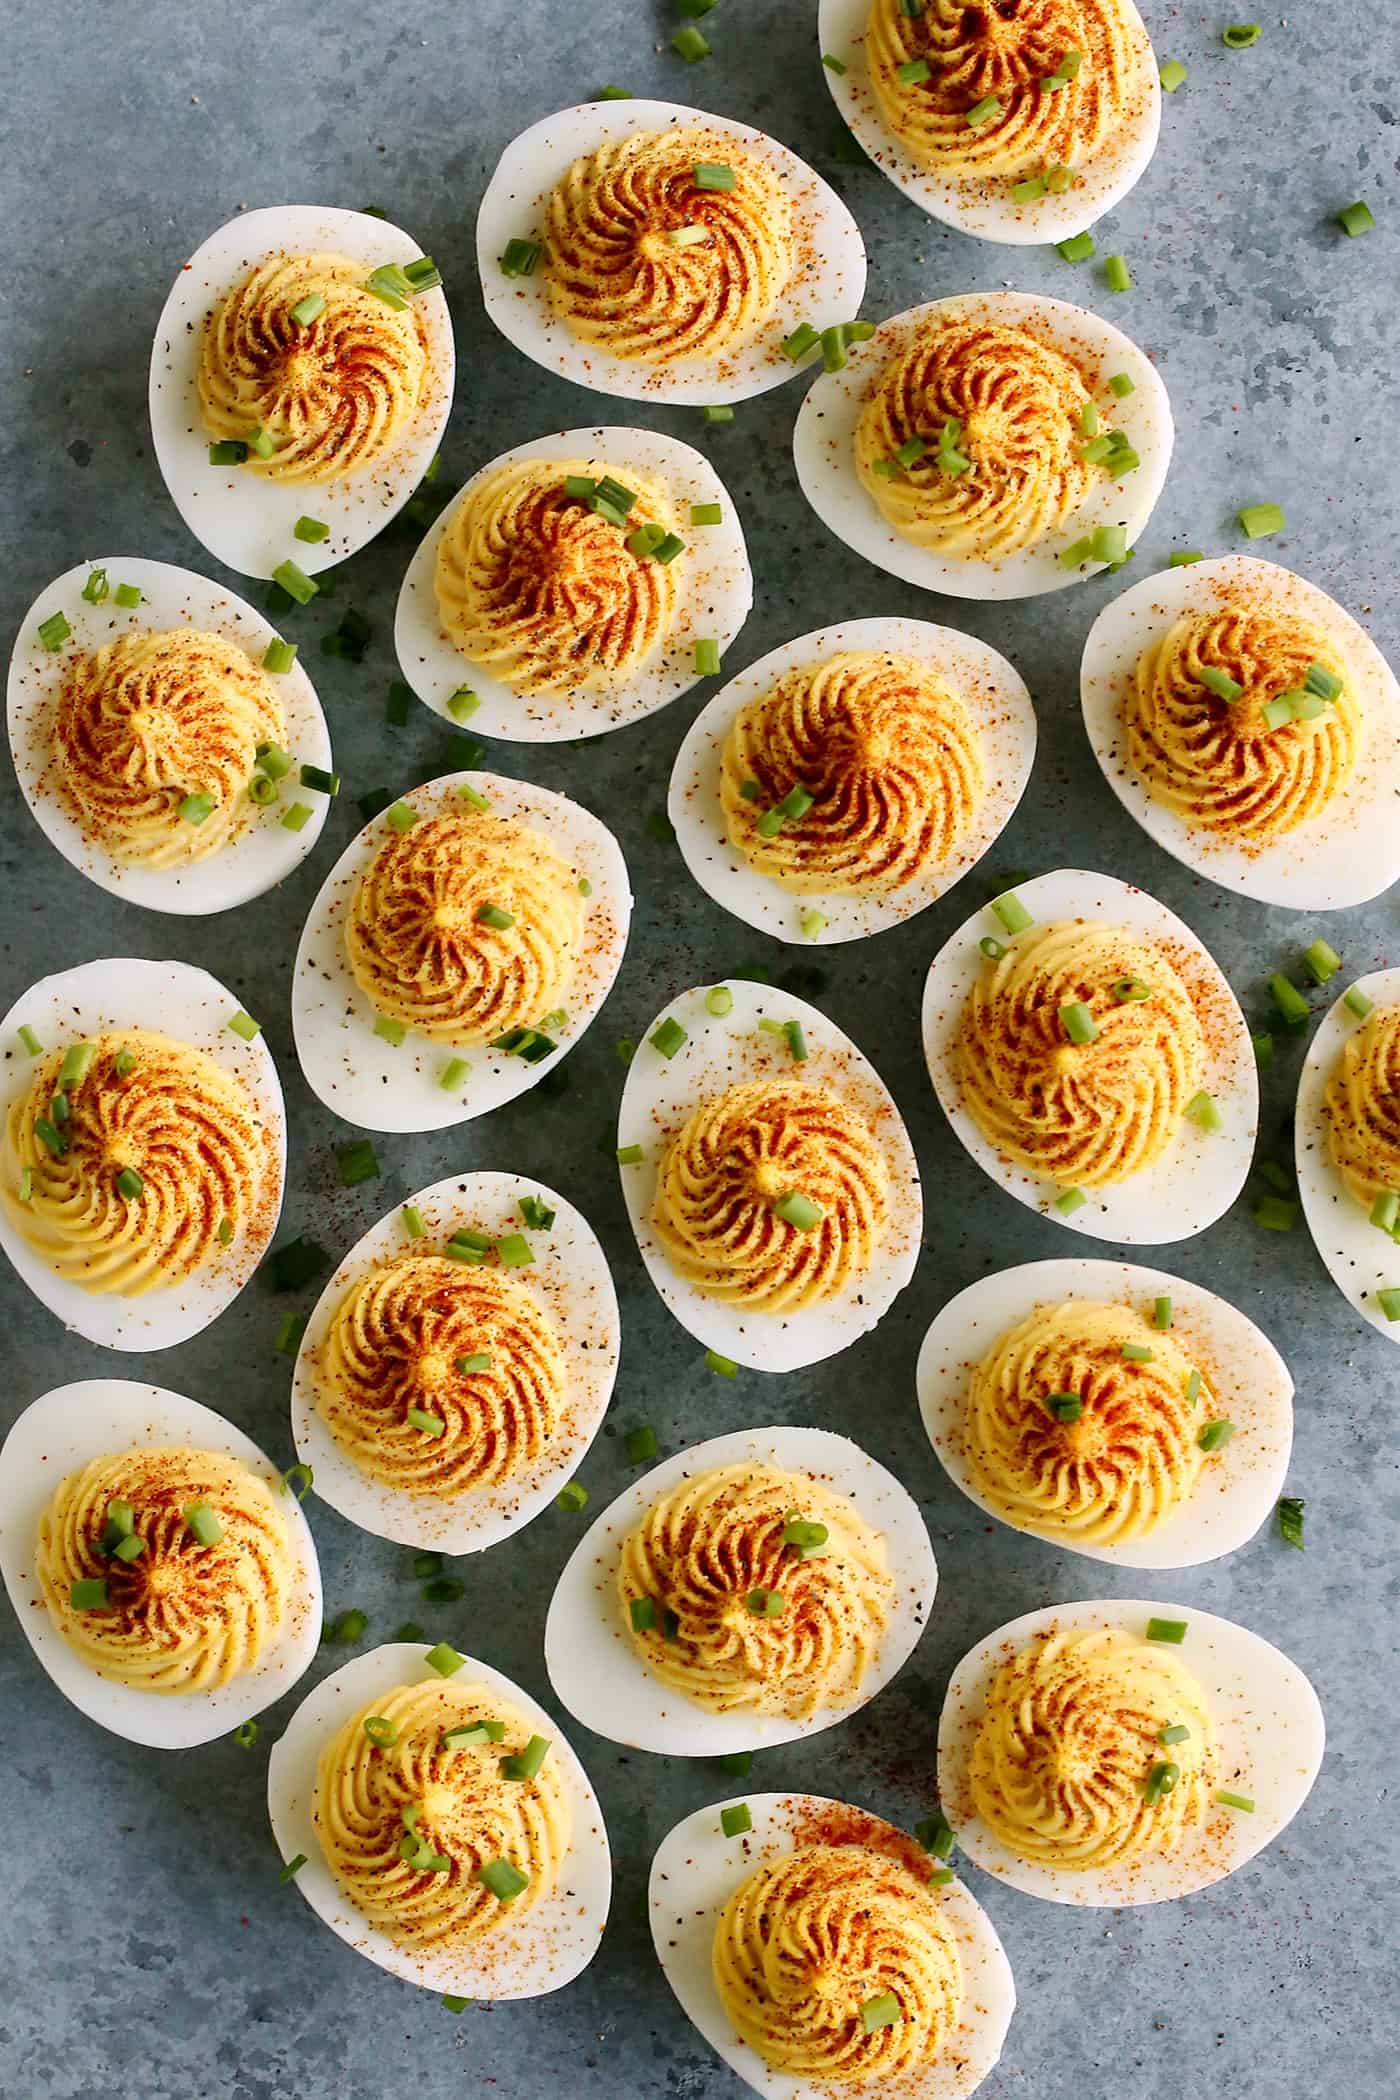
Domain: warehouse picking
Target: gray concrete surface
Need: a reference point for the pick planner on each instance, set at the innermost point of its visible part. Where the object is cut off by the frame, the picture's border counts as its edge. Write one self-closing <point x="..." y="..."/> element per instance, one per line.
<point x="147" y="1946"/>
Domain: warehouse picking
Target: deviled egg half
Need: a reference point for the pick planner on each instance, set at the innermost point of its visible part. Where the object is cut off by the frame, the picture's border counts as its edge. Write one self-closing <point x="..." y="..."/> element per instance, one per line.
<point x="768" y="1176"/>
<point x="165" y="737"/>
<point x="847" y="779"/>
<point x="751" y="1590"/>
<point x="1017" y="125"/>
<point x="1347" y="1139"/>
<point x="819" y="1949"/>
<point x="1091" y="1057"/>
<point x="1253" y="730"/>
<point x="652" y="251"/>
<point x="1109" y="1409"/>
<point x="1120" y="1752"/>
<point x="158" y="1562"/>
<point x="574" y="585"/>
<point x="991" y="445"/>
<point x="301" y="378"/>
<point x="436" y="1818"/>
<point x="458" y="1364"/>
<point x="143" y="1149"/>
<point x="463" y="941"/>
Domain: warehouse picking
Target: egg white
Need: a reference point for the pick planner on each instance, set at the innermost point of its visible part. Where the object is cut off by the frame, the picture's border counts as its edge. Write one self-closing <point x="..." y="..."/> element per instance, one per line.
<point x="1359" y="1257"/>
<point x="828" y="286"/>
<point x="178" y="1000"/>
<point x="370" y="1082"/>
<point x="1352" y="853"/>
<point x="986" y="208"/>
<point x="265" y="852"/>
<point x="697" y="1869"/>
<point x="544" y="1948"/>
<point x="660" y="1093"/>
<point x="244" y="520"/>
<point x="823" y="448"/>
<point x="92" y="1418"/>
<point x="569" y="1277"/>
<point x="999" y="708"/>
<point x="593" y="1664"/>
<point x="1200" y="1174"/>
<point x="716" y="596"/>
<point x="1269" y="1731"/>
<point x="1238" y="1487"/>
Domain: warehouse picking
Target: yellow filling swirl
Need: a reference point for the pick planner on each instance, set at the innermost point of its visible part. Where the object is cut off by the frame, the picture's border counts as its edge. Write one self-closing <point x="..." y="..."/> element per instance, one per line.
<point x="989" y="53"/>
<point x="742" y="1619"/>
<point x="150" y="1173"/>
<point x="179" y="1615"/>
<point x="1016" y="404"/>
<point x="1361" y="1108"/>
<point x="889" y="756"/>
<point x="1062" y="1764"/>
<point x="1219" y="762"/>
<point x="806" y="1941"/>
<point x="336" y="394"/>
<point x="543" y="591"/>
<point x="408" y="1336"/>
<point x="407" y="1828"/>
<point x="1080" y="1113"/>
<point x="424" y="937"/>
<point x="646" y="263"/>
<point x="1124" y="1462"/>
<point x="149" y="720"/>
<point x="731" y="1173"/>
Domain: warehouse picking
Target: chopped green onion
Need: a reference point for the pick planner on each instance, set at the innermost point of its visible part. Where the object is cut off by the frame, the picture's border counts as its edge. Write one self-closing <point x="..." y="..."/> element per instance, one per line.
<point x="1172" y="76"/>
<point x="913" y="72"/>
<point x="77" y="1063"/>
<point x="446" y="1661"/>
<point x="833" y="65"/>
<point x="1160" y="1781"/>
<point x="811" y="923"/>
<point x="1321" y="961"/>
<point x="89" y="1595"/>
<point x="298" y="1480"/>
<point x="451" y="2001"/>
<point x="1070" y="1200"/>
<point x="48" y="1135"/>
<point x="802" y="340"/>
<point x="1258" y="520"/>
<point x="1204" y="1110"/>
<point x="298" y="1263"/>
<point x="26" y="1184"/>
<point x="1117" y="275"/>
<point x="719" y="414"/>
<point x="431" y="1425"/>
<point x="1130" y="990"/>
<point x="1324" y="683"/>
<point x="390" y="1031"/>
<point x="1059" y="179"/>
<point x="1240" y="1801"/>
<point x="805" y="1533"/>
<point x="1136" y="1352"/>
<point x="736" y="1820"/>
<point x="667" y="548"/>
<point x="1240" y="35"/>
<point x="505" y="1881"/>
<point x="1012" y="912"/>
<point x="54" y="631"/>
<point x="1290" y="1520"/>
<point x="1357" y="1003"/>
<point x="707" y="513"/>
<point x="1178" y="1732"/>
<point x="1161" y="1312"/>
<point x="881" y="2011"/>
<point x="202" y="1523"/>
<point x="1120" y="384"/>
<point x="293" y="1868"/>
<point x="274" y="761"/>
<point x="1220" y="682"/>
<point x="196" y="808"/>
<point x="1191" y="1391"/>
<point x="1078" y="248"/>
<point x="535" y="1212"/>
<point x="935" y="1834"/>
<point x="309" y="309"/>
<point x="228" y="452"/>
<point x="279" y="656"/>
<point x="833" y="341"/>
<point x="513" y="1251"/>
<point x="1065" y="1407"/>
<point x="1275" y="1214"/>
<point x="128" y="596"/>
<point x="1214" y="1436"/>
<point x="526" y="1763"/>
<point x="423" y="275"/>
<point x="713" y="175"/>
<point x="1276" y="1176"/>
<point x="641" y="1612"/>
<point x="381" y="1732"/>
<point x="690" y="45"/>
<point x="991" y="948"/>
<point x="706" y="658"/>
<point x="389" y="283"/>
<point x="640" y="1444"/>
<point x="244" y="1025"/>
<point x="311" y="530"/>
<point x="1289" y="1001"/>
<point x="1356" y="219"/>
<point x="1078" y="1023"/>
<point x="246" y="1734"/>
<point x="520" y="258"/>
<point x="129" y="1184"/>
<point x="719" y="1001"/>
<point x="96" y="587"/>
<point x="1028" y="190"/>
<point x="1109" y="543"/>
<point x="630" y="1155"/>
<point x="357" y="1162"/>
<point x="494" y="916"/>
<point x="289" y="1334"/>
<point x="453" y="1074"/>
<point x="798" y="1210"/>
<point x="1172" y="1631"/>
<point x="984" y="112"/>
<point x="1096" y="453"/>
<point x="1089" y="420"/>
<point x="572" y="1496"/>
<point x="585" y="887"/>
<point x="1389" y="1302"/>
<point x="669" y="1037"/>
<point x="723" y="1366"/>
<point x="766" y="1604"/>
<point x="320" y="781"/>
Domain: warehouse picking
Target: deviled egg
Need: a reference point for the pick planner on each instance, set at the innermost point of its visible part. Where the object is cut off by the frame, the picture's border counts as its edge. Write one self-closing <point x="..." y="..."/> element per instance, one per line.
<point x="158" y="1563"/>
<point x="819" y="1949"/>
<point x="1091" y="1057"/>
<point x="847" y="779"/>
<point x="462" y="942"/>
<point x="768" y="1176"/>
<point x="155" y="736"/>
<point x="1120" y="1752"/>
<point x="1018" y="125"/>
<point x="751" y="1590"/>
<point x="301" y="378"/>
<point x="435" y="1817"/>
<point x="991" y="445"/>
<point x="575" y="584"/>
<point x="1109" y="1409"/>
<point x="655" y="252"/>
<point x="458" y="1364"/>
<point x="143" y="1150"/>
<point x="1253" y="730"/>
<point x="1347" y="1139"/>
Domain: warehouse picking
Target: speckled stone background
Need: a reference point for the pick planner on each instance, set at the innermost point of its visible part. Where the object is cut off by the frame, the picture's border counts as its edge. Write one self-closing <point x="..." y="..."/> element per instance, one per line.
<point x="147" y="1945"/>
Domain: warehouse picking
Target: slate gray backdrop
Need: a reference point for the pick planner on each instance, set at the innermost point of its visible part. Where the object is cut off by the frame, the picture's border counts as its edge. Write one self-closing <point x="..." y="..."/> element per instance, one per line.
<point x="147" y="1945"/>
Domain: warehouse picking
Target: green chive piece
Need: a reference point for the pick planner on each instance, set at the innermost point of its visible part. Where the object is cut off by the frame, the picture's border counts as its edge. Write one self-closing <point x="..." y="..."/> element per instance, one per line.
<point x="1290" y="1520"/>
<point x="1220" y="682"/>
<point x="1389" y="1302"/>
<point x="913" y="72"/>
<point x="706" y="658"/>
<point x="935" y="1834"/>
<point x="312" y="530"/>
<point x="690" y="45"/>
<point x="1136" y="1353"/>
<point x="279" y="656"/>
<point x="1214" y="1436"/>
<point x="1385" y="1211"/>
<point x="719" y="1001"/>
<point x="1069" y="1201"/>
<point x="668" y="1038"/>
<point x="129" y="1184"/>
<point x="1116" y="273"/>
<point x="358" y="1162"/>
<point x="630" y="1155"/>
<point x="798" y="1210"/>
<point x="984" y="112"/>
<point x="89" y="1595"/>
<point x="96" y="588"/>
<point x="381" y="1732"/>
<point x="1172" y="76"/>
<point x="833" y="65"/>
<point x="390" y="1031"/>
<point x="1191" y="1391"/>
<point x="1356" y="219"/>
<point x="805" y="1533"/>
<point x="431" y="1425"/>
<point x="320" y="781"/>
<point x="309" y="309"/>
<point x="244" y="1025"/>
<point x="30" y="1041"/>
<point x="1160" y="1781"/>
<point x="196" y="808"/>
<point x="453" y="2003"/>
<point x="298" y="1480"/>
<point x="766" y="1604"/>
<point x="713" y="175"/>
<point x="1242" y="1802"/>
<point x="719" y="414"/>
<point x="1161" y="1312"/>
<point x="526" y="1763"/>
<point x="246" y="1734"/>
<point x="401" y="816"/>
<point x="723" y="1366"/>
<point x="881" y="2011"/>
<point x="1178" y="1732"/>
<point x="1289" y="1001"/>
<point x="54" y="631"/>
<point x="1258" y="520"/>
<point x="640" y="1444"/>
<point x="202" y="1523"/>
<point x="1321" y="961"/>
<point x="446" y="1661"/>
<point x="1078" y="1023"/>
<point x="1170" y="1631"/>
<point x="1120" y="384"/>
<point x="1027" y="191"/>
<point x="1011" y="911"/>
<point x="573" y="1496"/>
<point x="514" y="1251"/>
<point x="413" y="1223"/>
<point x="1240" y="35"/>
<point x="77" y="1063"/>
<point x="1078" y="248"/>
<point x="993" y="949"/>
<point x="803" y="339"/>
<point x="454" y="1074"/>
<point x="295" y="582"/>
<point x="128" y="596"/>
<point x="298" y="817"/>
<point x="1275" y="1214"/>
<point x="505" y="1881"/>
<point x="289" y="1334"/>
<point x="228" y="452"/>
<point x="1204" y="1111"/>
<point x="641" y="1612"/>
<point x="520" y="258"/>
<point x="737" y="1820"/>
<point x="1128" y="990"/>
<point x="1065" y="1407"/>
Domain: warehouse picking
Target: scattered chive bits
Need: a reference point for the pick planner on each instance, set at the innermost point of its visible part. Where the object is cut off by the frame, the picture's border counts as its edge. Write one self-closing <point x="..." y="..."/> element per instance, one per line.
<point x="1172" y="76"/>
<point x="1240" y="35"/>
<point x="737" y="1820"/>
<point x="1116" y="274"/>
<point x="1356" y="219"/>
<point x="1290" y="1520"/>
<point x="1172" y="1632"/>
<point x="1259" y="520"/>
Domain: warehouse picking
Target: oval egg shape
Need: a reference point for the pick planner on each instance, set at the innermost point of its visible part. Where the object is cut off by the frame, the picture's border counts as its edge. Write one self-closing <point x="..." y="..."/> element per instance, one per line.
<point x="1361" y="1256"/>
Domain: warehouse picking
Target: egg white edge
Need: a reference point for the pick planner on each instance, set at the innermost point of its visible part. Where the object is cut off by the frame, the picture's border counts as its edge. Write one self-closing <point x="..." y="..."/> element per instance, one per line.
<point x="1200" y="1174"/>
<point x="190" y="1005"/>
<point x="354" y="1072"/>
<point x="1276" y="1769"/>
<point x="242" y="519"/>
<point x="265" y="852"/>
<point x="513" y="206"/>
<point x="823" y="449"/>
<point x="1353" y="853"/>
<point x="570" y="1273"/>
<point x="596" y="1671"/>
<point x="1352" y="1249"/>
<point x="1249" y="1380"/>
<point x="695" y="1871"/>
<point x="549" y="1945"/>
<point x="65" y="1429"/>
<point x="715" y="601"/>
<point x="703" y="1067"/>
